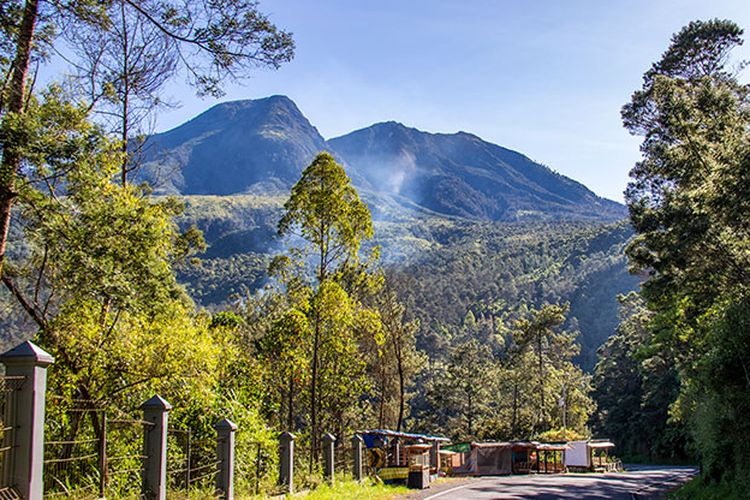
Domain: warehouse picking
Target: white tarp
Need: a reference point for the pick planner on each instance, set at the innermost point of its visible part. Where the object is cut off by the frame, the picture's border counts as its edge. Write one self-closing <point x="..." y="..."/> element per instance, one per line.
<point x="578" y="454"/>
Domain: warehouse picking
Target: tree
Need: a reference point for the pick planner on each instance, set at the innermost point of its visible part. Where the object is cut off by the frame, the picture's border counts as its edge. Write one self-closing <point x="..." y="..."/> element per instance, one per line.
<point x="398" y="351"/>
<point x="326" y="212"/>
<point x="550" y="347"/>
<point x="467" y="397"/>
<point x="121" y="67"/>
<point x="689" y="201"/>
<point x="97" y="274"/>
<point x="213" y="40"/>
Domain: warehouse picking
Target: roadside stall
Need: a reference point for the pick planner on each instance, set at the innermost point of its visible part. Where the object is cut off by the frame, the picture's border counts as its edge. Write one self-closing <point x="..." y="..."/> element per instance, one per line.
<point x="550" y="458"/>
<point x="419" y="466"/>
<point x="494" y="459"/>
<point x="592" y="455"/>
<point x="388" y="453"/>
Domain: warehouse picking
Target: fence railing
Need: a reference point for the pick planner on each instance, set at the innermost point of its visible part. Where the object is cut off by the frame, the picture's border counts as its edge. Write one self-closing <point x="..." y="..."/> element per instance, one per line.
<point x="9" y="388"/>
<point x="104" y="463"/>
<point x="83" y="460"/>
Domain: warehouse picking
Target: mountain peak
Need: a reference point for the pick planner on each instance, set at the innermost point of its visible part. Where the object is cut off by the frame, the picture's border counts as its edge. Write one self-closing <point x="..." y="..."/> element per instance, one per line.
<point x="233" y="146"/>
<point x="261" y="144"/>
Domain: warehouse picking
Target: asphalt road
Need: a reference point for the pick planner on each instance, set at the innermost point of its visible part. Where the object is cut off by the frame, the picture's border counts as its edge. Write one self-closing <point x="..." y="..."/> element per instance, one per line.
<point x="637" y="482"/>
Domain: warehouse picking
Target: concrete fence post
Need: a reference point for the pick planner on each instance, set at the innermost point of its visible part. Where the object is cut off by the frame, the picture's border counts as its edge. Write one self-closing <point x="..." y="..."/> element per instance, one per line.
<point x="155" y="412"/>
<point x="286" y="461"/>
<point x="23" y="468"/>
<point x="329" y="456"/>
<point x="357" y="442"/>
<point x="225" y="430"/>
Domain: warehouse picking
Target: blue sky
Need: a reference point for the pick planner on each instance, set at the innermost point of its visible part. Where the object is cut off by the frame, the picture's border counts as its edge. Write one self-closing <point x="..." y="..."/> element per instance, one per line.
<point x="546" y="78"/>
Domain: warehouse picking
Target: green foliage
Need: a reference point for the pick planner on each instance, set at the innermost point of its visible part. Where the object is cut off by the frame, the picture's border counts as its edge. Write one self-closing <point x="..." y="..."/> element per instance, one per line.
<point x="559" y="436"/>
<point x="320" y="334"/>
<point x="635" y="385"/>
<point x="689" y="202"/>
<point x="511" y="393"/>
<point x="329" y="215"/>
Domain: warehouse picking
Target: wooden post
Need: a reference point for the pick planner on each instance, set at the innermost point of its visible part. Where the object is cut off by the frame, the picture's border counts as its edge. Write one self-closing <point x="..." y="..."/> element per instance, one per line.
<point x="435" y="457"/>
<point x="155" y="412"/>
<point x="23" y="467"/>
<point x="103" y="458"/>
<point x="187" y="460"/>
<point x="258" y="463"/>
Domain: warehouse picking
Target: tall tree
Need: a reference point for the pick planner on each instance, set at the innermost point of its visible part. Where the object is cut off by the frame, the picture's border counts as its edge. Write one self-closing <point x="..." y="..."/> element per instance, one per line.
<point x="324" y="210"/>
<point x="399" y="348"/>
<point x="689" y="202"/>
<point x="540" y="334"/>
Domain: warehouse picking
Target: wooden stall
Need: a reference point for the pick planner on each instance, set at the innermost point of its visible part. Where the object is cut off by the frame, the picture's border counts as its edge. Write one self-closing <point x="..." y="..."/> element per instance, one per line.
<point x="388" y="453"/>
<point x="550" y="458"/>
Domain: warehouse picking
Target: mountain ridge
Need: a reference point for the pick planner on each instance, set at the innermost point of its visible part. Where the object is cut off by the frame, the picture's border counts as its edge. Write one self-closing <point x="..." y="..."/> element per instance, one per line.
<point x="261" y="146"/>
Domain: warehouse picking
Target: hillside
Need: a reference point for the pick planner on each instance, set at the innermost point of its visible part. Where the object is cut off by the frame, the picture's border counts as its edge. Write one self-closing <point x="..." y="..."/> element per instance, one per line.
<point x="255" y="145"/>
<point x="462" y="175"/>
<point x="443" y="267"/>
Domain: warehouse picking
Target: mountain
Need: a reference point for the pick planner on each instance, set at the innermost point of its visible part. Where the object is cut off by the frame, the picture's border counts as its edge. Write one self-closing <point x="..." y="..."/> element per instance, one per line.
<point x="242" y="146"/>
<point x="261" y="146"/>
<point x="462" y="175"/>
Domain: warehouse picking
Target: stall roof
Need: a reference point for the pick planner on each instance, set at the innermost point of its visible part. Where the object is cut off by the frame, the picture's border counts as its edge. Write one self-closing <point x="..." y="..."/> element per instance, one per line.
<point x="407" y="435"/>
<point x="423" y="447"/>
<point x="551" y="446"/>
<point x="491" y="445"/>
<point x="601" y="444"/>
<point x="505" y="444"/>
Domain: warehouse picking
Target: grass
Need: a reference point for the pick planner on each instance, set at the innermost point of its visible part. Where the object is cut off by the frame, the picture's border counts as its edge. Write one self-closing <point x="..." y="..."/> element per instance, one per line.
<point x="343" y="489"/>
<point x="368" y="490"/>
<point x="696" y="488"/>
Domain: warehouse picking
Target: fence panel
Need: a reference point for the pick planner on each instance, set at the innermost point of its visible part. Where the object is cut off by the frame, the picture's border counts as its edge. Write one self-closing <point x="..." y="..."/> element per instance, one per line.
<point x="73" y="449"/>
<point x="9" y="388"/>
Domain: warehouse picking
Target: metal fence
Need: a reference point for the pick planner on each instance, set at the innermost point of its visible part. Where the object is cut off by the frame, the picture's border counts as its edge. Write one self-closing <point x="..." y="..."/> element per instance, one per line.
<point x="92" y="454"/>
<point x="9" y="388"/>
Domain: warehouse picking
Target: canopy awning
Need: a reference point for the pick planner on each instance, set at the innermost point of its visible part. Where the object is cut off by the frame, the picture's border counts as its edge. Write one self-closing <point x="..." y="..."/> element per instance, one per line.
<point x="406" y="435"/>
<point x="551" y="447"/>
<point x="601" y="444"/>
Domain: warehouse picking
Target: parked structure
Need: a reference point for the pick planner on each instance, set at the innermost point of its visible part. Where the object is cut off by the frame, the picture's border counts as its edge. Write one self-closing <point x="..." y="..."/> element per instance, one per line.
<point x="493" y="459"/>
<point x="591" y="455"/>
<point x="388" y="452"/>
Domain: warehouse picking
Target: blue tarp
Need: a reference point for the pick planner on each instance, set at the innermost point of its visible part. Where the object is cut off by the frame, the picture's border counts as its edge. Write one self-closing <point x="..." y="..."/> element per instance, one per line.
<point x="370" y="436"/>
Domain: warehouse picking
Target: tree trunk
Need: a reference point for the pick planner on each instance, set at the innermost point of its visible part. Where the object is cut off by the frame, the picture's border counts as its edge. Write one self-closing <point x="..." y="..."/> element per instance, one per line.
<point x="125" y="96"/>
<point x="11" y="161"/>
<point x="514" y="422"/>
<point x="314" y="394"/>
<point x="401" y="395"/>
<point x="290" y="416"/>
<point x="541" y="384"/>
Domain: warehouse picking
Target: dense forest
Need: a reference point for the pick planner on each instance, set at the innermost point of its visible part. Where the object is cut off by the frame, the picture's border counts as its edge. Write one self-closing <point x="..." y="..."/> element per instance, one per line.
<point x="299" y="312"/>
<point x="682" y="345"/>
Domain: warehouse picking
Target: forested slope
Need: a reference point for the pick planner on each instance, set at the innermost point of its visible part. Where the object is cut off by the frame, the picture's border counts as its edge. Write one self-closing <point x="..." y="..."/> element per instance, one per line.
<point x="442" y="267"/>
